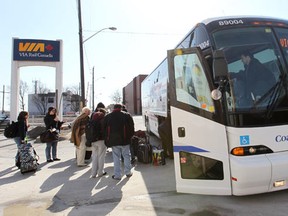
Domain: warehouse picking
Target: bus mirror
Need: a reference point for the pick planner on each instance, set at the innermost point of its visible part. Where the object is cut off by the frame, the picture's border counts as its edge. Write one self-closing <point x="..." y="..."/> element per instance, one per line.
<point x="216" y="94"/>
<point x="220" y="69"/>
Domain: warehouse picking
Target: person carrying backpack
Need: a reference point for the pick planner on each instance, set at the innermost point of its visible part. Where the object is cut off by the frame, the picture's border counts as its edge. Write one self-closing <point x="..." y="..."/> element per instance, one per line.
<point x="98" y="146"/>
<point x="21" y="130"/>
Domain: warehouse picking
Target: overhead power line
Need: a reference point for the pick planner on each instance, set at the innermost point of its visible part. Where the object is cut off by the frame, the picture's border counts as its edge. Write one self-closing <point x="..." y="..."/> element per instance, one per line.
<point x="139" y="33"/>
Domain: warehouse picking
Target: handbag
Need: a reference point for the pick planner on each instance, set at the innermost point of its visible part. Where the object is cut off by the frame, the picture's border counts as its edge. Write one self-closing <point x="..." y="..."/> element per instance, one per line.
<point x="49" y="135"/>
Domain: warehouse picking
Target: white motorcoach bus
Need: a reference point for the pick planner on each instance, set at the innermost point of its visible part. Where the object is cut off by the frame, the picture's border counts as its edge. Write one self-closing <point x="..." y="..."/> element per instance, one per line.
<point x="225" y="87"/>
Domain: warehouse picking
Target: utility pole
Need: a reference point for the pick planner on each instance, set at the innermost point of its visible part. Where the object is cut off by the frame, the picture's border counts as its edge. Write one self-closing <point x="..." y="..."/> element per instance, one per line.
<point x="35" y="86"/>
<point x="87" y="90"/>
<point x="81" y="42"/>
<point x="82" y="74"/>
<point x="3" y="100"/>
<point x="93" y="88"/>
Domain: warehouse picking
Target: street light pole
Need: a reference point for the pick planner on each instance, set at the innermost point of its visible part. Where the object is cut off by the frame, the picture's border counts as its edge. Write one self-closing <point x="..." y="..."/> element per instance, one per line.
<point x="111" y="28"/>
<point x="81" y="42"/>
<point x="82" y="74"/>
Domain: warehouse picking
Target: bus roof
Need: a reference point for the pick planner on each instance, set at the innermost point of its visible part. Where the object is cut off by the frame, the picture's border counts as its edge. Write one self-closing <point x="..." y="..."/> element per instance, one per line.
<point x="212" y="19"/>
<point x="212" y="23"/>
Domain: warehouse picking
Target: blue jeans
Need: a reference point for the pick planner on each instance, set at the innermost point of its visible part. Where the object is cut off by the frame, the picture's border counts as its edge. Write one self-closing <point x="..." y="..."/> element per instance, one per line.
<point x="117" y="151"/>
<point x="50" y="145"/>
<point x="17" y="140"/>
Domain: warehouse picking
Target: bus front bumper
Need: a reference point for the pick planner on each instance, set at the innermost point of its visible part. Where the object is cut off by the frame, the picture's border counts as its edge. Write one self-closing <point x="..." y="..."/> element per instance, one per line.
<point x="259" y="173"/>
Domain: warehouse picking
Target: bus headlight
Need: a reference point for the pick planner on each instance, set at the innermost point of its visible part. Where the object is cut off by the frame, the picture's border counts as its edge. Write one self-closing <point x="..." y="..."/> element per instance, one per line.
<point x="251" y="150"/>
<point x="280" y="183"/>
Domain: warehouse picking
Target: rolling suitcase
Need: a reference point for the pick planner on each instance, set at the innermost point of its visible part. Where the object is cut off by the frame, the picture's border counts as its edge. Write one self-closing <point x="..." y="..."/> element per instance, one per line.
<point x="138" y="138"/>
<point x="28" y="158"/>
<point x="144" y="153"/>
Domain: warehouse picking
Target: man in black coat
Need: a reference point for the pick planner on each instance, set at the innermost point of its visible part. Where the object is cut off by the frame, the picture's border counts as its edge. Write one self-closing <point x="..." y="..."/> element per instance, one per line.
<point x="254" y="81"/>
<point x="119" y="129"/>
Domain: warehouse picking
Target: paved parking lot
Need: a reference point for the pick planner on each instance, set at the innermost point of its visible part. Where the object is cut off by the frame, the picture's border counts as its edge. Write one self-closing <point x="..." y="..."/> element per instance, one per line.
<point x="62" y="188"/>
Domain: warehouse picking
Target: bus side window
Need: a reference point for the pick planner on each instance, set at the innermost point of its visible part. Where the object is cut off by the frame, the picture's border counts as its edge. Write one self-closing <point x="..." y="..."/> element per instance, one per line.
<point x="193" y="40"/>
<point x="186" y="42"/>
<point x="200" y="38"/>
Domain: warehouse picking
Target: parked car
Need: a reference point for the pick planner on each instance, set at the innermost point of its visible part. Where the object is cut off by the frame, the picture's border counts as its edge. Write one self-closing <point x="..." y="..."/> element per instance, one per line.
<point x="4" y="120"/>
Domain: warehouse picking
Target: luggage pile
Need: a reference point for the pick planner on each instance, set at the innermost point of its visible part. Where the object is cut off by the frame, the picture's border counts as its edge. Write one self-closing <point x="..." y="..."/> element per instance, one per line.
<point x="141" y="147"/>
<point x="27" y="159"/>
<point x="144" y="151"/>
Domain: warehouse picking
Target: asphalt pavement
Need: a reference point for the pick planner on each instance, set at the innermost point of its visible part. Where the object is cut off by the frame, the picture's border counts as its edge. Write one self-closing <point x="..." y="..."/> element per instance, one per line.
<point x="62" y="188"/>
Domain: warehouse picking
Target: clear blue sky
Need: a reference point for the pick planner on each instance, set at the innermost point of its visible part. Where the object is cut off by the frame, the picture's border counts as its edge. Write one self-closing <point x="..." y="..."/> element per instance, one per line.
<point x="145" y="31"/>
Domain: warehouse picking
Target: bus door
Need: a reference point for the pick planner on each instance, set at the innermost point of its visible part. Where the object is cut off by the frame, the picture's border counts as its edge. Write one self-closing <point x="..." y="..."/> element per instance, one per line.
<point x="200" y="146"/>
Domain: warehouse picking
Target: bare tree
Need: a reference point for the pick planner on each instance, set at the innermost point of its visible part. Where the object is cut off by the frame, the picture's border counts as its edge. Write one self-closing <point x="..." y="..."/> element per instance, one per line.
<point x="116" y="97"/>
<point x="41" y="102"/>
<point x="75" y="102"/>
<point x="41" y="99"/>
<point x="74" y="89"/>
<point x="23" y="90"/>
<point x="75" y="97"/>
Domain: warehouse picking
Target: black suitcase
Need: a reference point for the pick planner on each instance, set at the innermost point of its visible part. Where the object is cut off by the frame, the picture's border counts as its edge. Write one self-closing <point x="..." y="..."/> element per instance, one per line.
<point x="138" y="138"/>
<point x="144" y="153"/>
<point x="88" y="155"/>
<point x="28" y="158"/>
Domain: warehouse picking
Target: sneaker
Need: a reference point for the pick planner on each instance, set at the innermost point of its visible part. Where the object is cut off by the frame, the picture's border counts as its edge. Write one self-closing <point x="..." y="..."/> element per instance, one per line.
<point x="49" y="161"/>
<point x="129" y="175"/>
<point x="56" y="159"/>
<point x="115" y="178"/>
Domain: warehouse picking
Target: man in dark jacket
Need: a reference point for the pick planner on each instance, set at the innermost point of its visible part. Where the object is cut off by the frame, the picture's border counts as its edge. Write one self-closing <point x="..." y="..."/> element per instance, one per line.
<point x="254" y="81"/>
<point x="119" y="129"/>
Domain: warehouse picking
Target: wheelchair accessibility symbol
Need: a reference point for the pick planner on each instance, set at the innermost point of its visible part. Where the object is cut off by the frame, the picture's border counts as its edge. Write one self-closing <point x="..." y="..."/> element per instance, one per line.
<point x="244" y="140"/>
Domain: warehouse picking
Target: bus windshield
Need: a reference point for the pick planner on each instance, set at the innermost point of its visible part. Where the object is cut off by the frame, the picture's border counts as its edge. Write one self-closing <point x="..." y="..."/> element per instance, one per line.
<point x="256" y="58"/>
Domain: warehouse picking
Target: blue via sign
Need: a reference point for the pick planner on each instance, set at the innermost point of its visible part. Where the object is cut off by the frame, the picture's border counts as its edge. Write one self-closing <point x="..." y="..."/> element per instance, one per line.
<point x="244" y="140"/>
<point x="36" y="50"/>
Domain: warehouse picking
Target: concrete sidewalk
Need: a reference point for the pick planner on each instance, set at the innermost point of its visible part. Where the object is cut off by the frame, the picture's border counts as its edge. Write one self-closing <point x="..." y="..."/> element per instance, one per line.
<point x="62" y="188"/>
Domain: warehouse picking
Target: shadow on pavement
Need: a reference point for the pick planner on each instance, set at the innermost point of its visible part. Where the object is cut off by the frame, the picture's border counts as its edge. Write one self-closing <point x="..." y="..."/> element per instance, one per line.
<point x="78" y="189"/>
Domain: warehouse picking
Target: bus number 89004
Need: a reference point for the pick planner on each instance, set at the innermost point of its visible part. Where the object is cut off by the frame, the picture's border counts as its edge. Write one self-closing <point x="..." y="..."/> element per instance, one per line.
<point x="230" y="22"/>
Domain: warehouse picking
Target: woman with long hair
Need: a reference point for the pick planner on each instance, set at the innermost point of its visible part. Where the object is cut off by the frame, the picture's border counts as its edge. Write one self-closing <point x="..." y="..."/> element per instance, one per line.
<point x="23" y="125"/>
<point x="52" y="122"/>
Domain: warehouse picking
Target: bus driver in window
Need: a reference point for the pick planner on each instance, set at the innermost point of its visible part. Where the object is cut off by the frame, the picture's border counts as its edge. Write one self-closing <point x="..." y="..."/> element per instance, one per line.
<point x="252" y="83"/>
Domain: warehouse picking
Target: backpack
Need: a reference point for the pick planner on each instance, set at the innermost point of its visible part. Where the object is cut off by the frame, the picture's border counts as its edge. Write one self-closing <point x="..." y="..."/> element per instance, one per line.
<point x="11" y="130"/>
<point x="92" y="131"/>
